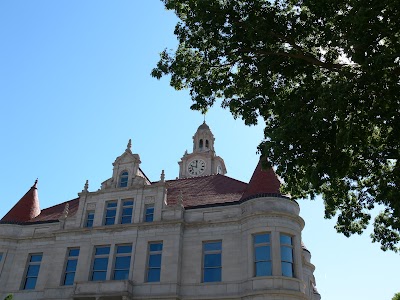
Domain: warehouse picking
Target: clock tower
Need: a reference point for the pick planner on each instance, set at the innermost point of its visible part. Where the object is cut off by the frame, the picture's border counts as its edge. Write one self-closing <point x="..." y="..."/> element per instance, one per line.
<point x="203" y="161"/>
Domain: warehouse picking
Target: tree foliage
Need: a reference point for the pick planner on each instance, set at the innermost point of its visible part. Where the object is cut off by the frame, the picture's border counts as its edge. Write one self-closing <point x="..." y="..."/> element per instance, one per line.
<point x="323" y="76"/>
<point x="9" y="297"/>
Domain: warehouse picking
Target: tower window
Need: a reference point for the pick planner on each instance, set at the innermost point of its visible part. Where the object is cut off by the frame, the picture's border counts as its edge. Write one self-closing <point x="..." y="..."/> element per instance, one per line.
<point x="123" y="179"/>
<point x="201" y="144"/>
<point x="207" y="145"/>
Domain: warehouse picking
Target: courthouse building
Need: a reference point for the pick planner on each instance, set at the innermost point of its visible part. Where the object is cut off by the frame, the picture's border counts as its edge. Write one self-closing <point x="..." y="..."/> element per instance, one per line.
<point x="203" y="235"/>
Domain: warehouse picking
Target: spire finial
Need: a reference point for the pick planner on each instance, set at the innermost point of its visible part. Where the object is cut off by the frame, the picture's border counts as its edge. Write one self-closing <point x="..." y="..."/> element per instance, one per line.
<point x="129" y="146"/>
<point x="86" y="187"/>
<point x="35" y="184"/>
<point x="162" y="177"/>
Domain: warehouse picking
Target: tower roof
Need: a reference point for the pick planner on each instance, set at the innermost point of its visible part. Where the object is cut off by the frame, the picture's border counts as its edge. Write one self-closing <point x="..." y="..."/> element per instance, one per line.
<point x="26" y="208"/>
<point x="203" y="126"/>
<point x="262" y="182"/>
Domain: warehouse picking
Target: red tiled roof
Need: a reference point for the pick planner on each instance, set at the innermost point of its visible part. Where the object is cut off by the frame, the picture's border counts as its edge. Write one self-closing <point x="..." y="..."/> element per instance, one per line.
<point x="205" y="190"/>
<point x="54" y="213"/>
<point x="262" y="182"/>
<point x="196" y="191"/>
<point x="26" y="208"/>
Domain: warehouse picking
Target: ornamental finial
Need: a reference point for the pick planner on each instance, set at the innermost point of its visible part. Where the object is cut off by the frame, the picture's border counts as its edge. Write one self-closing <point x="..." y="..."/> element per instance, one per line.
<point x="162" y="177"/>
<point x="129" y="146"/>
<point x="86" y="187"/>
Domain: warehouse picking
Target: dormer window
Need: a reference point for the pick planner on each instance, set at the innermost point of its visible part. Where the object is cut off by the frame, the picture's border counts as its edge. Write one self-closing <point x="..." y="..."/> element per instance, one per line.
<point x="123" y="179"/>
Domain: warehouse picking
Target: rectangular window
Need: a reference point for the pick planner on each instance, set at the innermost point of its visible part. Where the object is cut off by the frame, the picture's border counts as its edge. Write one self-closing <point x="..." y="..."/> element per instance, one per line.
<point x="122" y="262"/>
<point x="32" y="271"/>
<point x="212" y="263"/>
<point x="1" y="256"/>
<point x="100" y="263"/>
<point x="262" y="255"/>
<point x="287" y="255"/>
<point x="149" y="213"/>
<point x="111" y="212"/>
<point x="127" y="212"/>
<point x="89" y="219"/>
<point x="70" y="267"/>
<point x="154" y="262"/>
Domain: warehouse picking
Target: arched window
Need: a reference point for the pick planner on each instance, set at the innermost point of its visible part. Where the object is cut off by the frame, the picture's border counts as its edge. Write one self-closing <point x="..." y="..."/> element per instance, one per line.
<point x="207" y="144"/>
<point x="123" y="179"/>
<point x="201" y="144"/>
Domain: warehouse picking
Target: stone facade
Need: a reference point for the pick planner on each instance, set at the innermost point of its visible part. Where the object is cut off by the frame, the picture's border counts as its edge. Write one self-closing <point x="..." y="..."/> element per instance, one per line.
<point x="184" y="216"/>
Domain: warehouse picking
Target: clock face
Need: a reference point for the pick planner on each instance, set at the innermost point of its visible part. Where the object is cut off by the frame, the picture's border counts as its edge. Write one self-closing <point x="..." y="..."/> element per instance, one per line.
<point x="196" y="167"/>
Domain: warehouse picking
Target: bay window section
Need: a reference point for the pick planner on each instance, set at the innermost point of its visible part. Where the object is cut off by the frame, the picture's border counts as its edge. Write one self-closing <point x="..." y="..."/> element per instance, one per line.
<point x="262" y="255"/>
<point x="287" y="255"/>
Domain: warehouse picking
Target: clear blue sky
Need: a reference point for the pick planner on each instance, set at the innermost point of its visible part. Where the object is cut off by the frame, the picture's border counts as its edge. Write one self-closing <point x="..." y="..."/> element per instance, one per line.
<point x="75" y="85"/>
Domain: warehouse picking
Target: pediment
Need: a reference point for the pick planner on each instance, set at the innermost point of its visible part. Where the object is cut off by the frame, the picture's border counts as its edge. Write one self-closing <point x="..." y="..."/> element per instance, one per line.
<point x="126" y="158"/>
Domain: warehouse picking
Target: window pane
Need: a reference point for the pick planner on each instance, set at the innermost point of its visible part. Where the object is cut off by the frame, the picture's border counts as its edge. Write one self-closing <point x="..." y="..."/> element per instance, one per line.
<point x="285" y="239"/>
<point x="36" y="258"/>
<point x="33" y="271"/>
<point x="69" y="279"/>
<point x="156" y="247"/>
<point x="262" y="253"/>
<point x="71" y="265"/>
<point x="124" y="249"/>
<point x="30" y="283"/>
<point x="122" y="262"/>
<point x="1" y="256"/>
<point x="121" y="275"/>
<point x="97" y="275"/>
<point x="111" y="204"/>
<point x="212" y="260"/>
<point x="100" y="264"/>
<point x="102" y="250"/>
<point x="89" y="223"/>
<point x="261" y="238"/>
<point x="212" y="275"/>
<point x="126" y="220"/>
<point x="155" y="260"/>
<point x="287" y="269"/>
<point x="111" y="213"/>
<point x="212" y="246"/>
<point x="110" y="221"/>
<point x="127" y="211"/>
<point x="263" y="268"/>
<point x="74" y="252"/>
<point x="153" y="275"/>
<point x="128" y="203"/>
<point x="287" y="254"/>
<point x="149" y="218"/>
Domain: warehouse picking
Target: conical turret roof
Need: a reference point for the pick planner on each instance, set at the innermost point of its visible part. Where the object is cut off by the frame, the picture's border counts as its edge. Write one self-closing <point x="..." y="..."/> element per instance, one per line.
<point x="262" y="182"/>
<point x="26" y="208"/>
